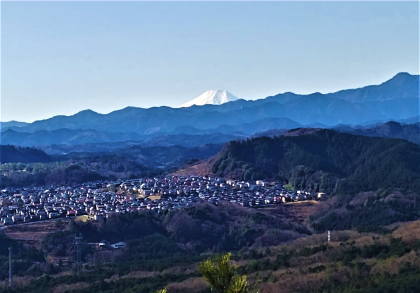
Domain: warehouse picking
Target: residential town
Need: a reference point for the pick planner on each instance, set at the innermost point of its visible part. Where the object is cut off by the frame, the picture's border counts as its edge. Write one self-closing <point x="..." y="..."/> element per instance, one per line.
<point x="99" y="200"/>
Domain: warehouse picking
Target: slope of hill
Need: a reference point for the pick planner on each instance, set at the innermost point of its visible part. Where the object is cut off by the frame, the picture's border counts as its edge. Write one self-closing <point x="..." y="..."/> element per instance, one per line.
<point x="324" y="160"/>
<point x="123" y="162"/>
<point x="72" y="171"/>
<point x="163" y="157"/>
<point x="391" y="129"/>
<point x="13" y="154"/>
<point x="403" y="85"/>
<point x="351" y="262"/>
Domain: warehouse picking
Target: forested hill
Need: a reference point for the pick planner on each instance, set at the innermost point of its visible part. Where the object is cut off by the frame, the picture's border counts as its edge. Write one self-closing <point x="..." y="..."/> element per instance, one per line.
<point x="324" y="160"/>
<point x="12" y="154"/>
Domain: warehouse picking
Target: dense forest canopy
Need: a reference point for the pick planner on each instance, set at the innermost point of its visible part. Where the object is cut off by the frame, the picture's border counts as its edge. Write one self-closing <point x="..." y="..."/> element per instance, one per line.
<point x="324" y="160"/>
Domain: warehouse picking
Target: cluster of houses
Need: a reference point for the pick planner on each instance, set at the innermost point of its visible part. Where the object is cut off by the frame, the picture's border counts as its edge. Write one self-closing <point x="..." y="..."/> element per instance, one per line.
<point x="102" y="199"/>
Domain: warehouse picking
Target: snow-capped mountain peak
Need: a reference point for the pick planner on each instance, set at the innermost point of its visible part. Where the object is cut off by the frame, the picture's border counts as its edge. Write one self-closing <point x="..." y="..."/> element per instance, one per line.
<point x="213" y="97"/>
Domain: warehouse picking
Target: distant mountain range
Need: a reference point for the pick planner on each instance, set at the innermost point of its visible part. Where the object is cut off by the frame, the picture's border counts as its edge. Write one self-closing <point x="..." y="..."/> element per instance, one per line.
<point x="391" y="129"/>
<point x="184" y="136"/>
<point x="10" y="124"/>
<point x="396" y="99"/>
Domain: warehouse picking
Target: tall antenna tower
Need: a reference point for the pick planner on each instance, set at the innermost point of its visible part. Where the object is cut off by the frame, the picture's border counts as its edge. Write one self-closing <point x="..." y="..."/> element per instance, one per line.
<point x="10" y="268"/>
<point x="77" y="252"/>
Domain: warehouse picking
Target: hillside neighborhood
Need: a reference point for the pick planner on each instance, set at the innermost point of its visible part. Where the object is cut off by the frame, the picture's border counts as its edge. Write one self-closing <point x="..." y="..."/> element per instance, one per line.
<point x="100" y="200"/>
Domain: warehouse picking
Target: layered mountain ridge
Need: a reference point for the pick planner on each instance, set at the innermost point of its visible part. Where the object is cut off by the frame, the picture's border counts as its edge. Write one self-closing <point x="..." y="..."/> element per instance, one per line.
<point x="396" y="99"/>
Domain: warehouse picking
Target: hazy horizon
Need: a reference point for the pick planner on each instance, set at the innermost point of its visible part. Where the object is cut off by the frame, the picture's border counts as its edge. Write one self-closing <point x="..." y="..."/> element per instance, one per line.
<point x="61" y="58"/>
<point x="113" y="110"/>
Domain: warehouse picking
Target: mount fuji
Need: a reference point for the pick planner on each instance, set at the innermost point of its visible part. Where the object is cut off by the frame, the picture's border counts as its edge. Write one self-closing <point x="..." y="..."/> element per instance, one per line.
<point x="396" y="99"/>
<point x="213" y="97"/>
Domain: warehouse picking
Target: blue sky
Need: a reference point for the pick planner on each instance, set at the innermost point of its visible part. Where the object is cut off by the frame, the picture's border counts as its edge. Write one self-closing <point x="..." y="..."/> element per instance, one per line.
<point x="60" y="58"/>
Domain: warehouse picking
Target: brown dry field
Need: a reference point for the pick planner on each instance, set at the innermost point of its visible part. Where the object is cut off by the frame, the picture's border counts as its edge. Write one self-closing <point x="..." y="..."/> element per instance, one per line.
<point x="199" y="169"/>
<point x="33" y="233"/>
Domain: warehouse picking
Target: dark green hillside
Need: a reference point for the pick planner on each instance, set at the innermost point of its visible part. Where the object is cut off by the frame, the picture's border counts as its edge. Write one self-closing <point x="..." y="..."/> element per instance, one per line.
<point x="367" y="211"/>
<point x="72" y="171"/>
<point x="324" y="160"/>
<point x="201" y="228"/>
<point x="13" y="154"/>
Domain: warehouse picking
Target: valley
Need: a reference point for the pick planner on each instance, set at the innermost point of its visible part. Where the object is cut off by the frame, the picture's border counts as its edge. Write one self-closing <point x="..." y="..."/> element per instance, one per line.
<point x="86" y="207"/>
<point x="209" y="147"/>
<point x="269" y="200"/>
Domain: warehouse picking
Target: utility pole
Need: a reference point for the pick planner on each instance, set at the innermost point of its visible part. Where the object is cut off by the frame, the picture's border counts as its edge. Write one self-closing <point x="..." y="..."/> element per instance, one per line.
<point x="10" y="268"/>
